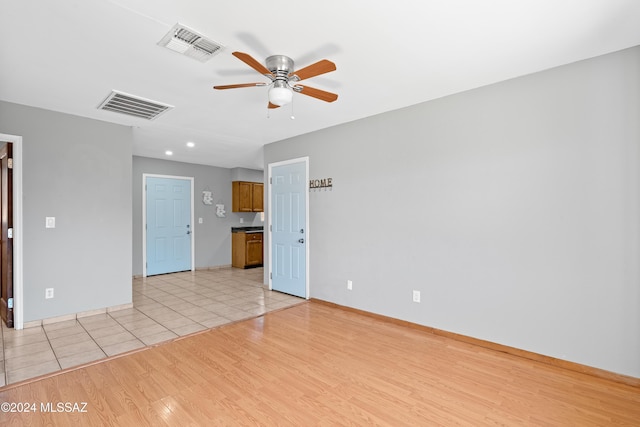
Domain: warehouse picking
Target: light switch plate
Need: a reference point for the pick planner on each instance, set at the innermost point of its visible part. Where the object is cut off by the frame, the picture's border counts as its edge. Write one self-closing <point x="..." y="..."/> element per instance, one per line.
<point x="50" y="222"/>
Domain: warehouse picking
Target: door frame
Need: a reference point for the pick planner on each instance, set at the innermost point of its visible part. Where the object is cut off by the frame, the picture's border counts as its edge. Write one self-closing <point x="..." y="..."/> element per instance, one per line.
<point x="18" y="244"/>
<point x="144" y="219"/>
<point x="308" y="225"/>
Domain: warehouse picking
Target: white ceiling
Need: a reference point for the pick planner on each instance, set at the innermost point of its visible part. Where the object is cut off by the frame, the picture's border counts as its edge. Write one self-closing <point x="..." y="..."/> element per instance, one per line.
<point x="67" y="55"/>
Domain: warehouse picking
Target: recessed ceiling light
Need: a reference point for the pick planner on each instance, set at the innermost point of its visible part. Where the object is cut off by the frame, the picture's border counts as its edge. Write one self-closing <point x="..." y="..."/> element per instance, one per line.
<point x="169" y="153"/>
<point x="191" y="144"/>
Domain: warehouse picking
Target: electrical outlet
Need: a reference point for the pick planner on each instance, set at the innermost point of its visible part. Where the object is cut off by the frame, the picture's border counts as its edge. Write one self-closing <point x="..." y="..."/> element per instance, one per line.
<point x="50" y="222"/>
<point x="349" y="285"/>
<point x="416" y="296"/>
<point x="48" y="293"/>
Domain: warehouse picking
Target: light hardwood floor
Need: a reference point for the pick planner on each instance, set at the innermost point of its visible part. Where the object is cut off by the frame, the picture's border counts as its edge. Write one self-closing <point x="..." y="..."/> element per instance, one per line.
<point x="315" y="364"/>
<point x="164" y="307"/>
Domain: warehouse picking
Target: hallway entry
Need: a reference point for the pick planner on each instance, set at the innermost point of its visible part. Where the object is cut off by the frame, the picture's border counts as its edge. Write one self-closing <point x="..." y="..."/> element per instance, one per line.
<point x="6" y="234"/>
<point x="168" y="224"/>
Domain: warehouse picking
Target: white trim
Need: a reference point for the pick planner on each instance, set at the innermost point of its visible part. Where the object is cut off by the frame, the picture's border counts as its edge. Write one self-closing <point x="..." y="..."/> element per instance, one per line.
<point x="308" y="230"/>
<point x="144" y="219"/>
<point x="18" y="235"/>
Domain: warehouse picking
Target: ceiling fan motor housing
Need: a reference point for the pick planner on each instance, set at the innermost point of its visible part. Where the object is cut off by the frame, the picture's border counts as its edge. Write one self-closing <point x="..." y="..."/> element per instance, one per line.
<point x="279" y="64"/>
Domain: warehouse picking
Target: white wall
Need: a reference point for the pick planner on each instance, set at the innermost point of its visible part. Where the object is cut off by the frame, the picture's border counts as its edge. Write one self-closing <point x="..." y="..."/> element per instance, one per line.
<point x="79" y="171"/>
<point x="513" y="208"/>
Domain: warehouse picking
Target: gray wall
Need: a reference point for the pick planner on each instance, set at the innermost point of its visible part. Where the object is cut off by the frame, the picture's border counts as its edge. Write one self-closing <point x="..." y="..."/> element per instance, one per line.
<point x="244" y="174"/>
<point x="213" y="236"/>
<point x="513" y="208"/>
<point x="79" y="171"/>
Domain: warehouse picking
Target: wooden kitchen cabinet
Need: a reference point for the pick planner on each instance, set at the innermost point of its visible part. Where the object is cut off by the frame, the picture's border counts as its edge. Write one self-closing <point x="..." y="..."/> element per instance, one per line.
<point x="246" y="249"/>
<point x="247" y="196"/>
<point x="258" y="197"/>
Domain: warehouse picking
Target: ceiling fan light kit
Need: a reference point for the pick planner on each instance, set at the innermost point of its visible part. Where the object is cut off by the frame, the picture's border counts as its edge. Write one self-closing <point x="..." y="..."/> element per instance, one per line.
<point x="280" y="67"/>
<point x="280" y="94"/>
<point x="280" y="70"/>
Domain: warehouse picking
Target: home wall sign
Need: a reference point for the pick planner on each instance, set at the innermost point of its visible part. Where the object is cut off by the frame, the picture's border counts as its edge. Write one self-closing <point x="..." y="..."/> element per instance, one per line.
<point x="317" y="184"/>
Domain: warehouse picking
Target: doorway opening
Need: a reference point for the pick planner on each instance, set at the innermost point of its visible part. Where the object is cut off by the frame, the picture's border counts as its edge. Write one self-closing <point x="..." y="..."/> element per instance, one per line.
<point x="13" y="264"/>
<point x="6" y="233"/>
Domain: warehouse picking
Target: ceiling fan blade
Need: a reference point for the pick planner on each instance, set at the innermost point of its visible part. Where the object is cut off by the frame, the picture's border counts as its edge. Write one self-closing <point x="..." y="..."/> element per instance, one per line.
<point x="271" y="106"/>
<point x="316" y="93"/>
<point x="320" y="67"/>
<point x="239" y="85"/>
<point x="253" y="63"/>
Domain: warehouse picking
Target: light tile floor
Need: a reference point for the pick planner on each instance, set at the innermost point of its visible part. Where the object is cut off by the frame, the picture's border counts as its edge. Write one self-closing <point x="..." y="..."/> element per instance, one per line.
<point x="164" y="307"/>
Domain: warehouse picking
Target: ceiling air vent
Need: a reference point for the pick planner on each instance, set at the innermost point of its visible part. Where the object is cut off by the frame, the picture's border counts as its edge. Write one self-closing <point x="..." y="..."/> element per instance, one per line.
<point x="184" y="40"/>
<point x="120" y="102"/>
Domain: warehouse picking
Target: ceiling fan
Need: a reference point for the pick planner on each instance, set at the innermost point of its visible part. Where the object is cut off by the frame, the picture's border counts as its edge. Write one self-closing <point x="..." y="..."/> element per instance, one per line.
<point x="284" y="80"/>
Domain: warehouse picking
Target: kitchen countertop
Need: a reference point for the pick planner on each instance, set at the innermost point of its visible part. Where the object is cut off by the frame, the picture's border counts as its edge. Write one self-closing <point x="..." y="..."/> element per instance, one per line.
<point x="248" y="229"/>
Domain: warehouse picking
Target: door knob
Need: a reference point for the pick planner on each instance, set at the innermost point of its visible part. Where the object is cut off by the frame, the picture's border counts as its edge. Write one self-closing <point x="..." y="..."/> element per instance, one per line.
<point x="302" y="230"/>
<point x="301" y="241"/>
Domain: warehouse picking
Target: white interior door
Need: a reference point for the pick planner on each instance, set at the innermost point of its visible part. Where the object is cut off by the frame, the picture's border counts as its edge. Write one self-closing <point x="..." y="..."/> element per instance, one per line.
<point x="168" y="225"/>
<point x="289" y="234"/>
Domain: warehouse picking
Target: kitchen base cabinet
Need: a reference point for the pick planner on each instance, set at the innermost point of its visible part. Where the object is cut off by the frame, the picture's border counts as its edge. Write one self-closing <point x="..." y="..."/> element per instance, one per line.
<point x="246" y="249"/>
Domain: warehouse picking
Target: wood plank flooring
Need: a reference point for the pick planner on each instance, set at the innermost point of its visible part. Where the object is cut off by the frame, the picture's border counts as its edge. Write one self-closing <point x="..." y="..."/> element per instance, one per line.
<point x="164" y="307"/>
<point x="315" y="364"/>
